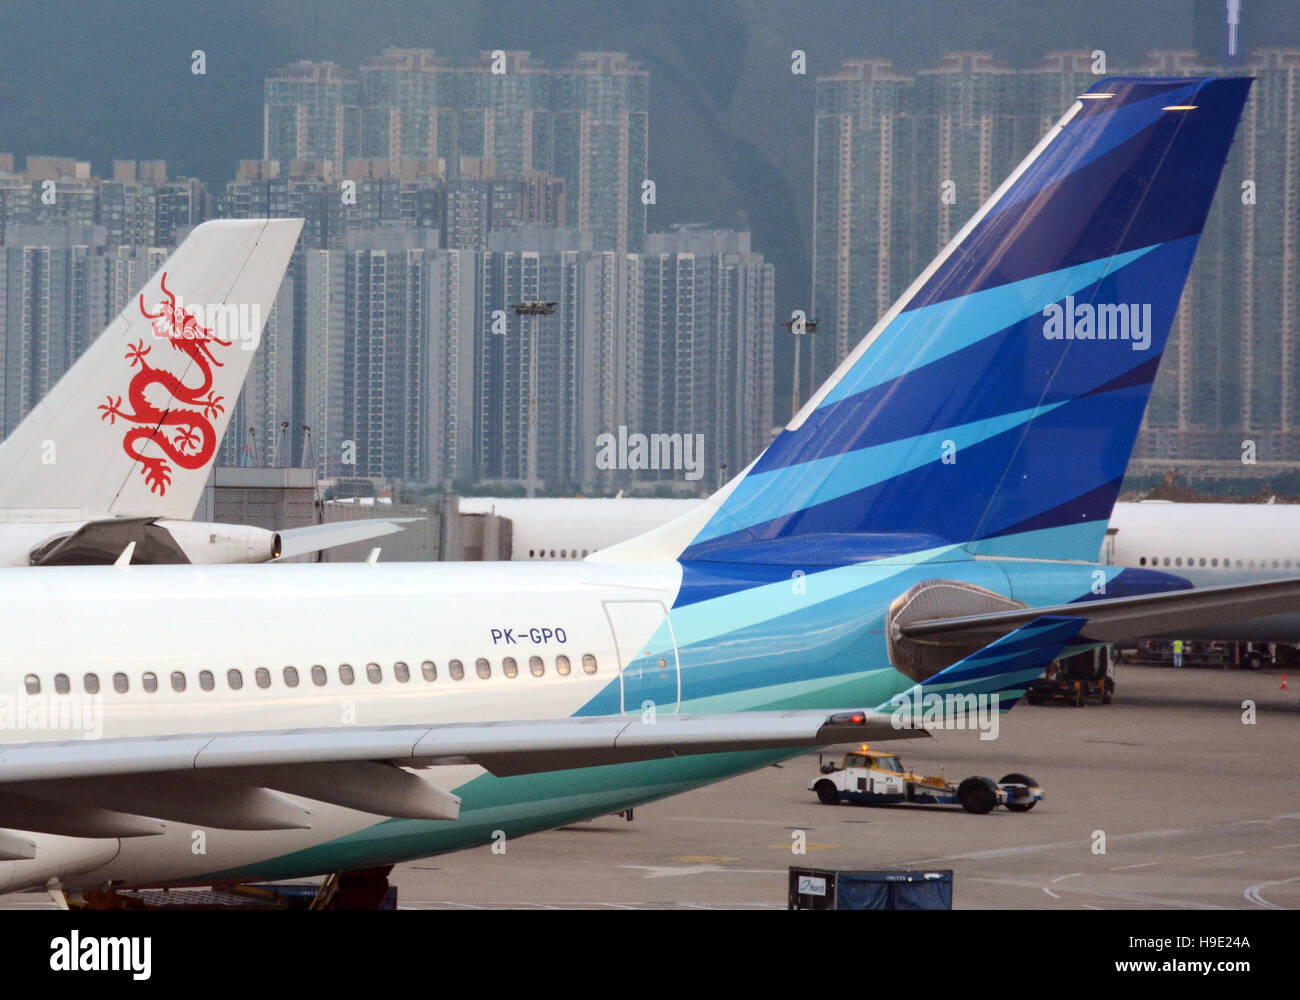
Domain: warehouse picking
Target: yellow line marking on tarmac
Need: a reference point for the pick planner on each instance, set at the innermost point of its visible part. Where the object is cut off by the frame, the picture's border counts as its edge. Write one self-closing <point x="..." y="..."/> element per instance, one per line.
<point x="807" y="847"/>
<point x="703" y="859"/>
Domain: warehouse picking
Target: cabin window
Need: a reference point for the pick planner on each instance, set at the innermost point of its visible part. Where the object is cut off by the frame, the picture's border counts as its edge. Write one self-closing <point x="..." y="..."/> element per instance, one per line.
<point x="291" y="677"/>
<point x="235" y="679"/>
<point x="346" y="674"/>
<point x="91" y="683"/>
<point x="149" y="681"/>
<point x="206" y="681"/>
<point x="564" y="553"/>
<point x="483" y="667"/>
<point x="429" y="671"/>
<point x="32" y="683"/>
<point x="120" y="683"/>
<point x="61" y="684"/>
<point x="456" y="669"/>
<point x="1142" y="561"/>
<point x="588" y="663"/>
<point x="562" y="665"/>
<point x="263" y="677"/>
<point x="510" y="667"/>
<point x="535" y="666"/>
<point x="373" y="673"/>
<point x="178" y="681"/>
<point x="318" y="675"/>
<point x="402" y="672"/>
<point x="1214" y="562"/>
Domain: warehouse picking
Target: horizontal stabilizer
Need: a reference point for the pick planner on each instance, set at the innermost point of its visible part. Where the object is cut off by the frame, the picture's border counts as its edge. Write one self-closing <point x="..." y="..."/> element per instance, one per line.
<point x="1004" y="669"/>
<point x="315" y="537"/>
<point x="1117" y="619"/>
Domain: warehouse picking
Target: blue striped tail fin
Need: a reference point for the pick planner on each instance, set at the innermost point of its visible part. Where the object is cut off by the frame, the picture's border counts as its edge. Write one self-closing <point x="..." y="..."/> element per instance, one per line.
<point x="994" y="408"/>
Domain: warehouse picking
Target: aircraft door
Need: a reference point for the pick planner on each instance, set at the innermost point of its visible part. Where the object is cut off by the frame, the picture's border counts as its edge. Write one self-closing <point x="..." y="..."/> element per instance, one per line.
<point x="647" y="655"/>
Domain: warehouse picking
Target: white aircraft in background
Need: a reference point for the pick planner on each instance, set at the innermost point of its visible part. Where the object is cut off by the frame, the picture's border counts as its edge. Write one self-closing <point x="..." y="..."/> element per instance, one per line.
<point x="1204" y="543"/>
<point x="117" y="454"/>
<point x="282" y="721"/>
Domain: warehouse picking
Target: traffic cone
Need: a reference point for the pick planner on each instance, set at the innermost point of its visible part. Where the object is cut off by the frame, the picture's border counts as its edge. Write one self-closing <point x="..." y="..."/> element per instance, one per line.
<point x="1284" y="687"/>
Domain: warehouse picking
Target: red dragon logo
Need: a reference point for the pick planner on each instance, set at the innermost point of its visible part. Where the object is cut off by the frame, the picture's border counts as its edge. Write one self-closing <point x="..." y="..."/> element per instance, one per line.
<point x="185" y="435"/>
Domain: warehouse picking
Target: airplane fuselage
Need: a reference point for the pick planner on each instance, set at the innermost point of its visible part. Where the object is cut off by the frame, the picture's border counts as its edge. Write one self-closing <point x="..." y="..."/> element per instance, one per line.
<point x="174" y="650"/>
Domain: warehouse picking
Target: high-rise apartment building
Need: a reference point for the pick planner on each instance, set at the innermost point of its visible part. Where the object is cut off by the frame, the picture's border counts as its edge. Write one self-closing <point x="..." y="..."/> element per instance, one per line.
<point x="585" y="124"/>
<point x="903" y="161"/>
<point x="304" y="112"/>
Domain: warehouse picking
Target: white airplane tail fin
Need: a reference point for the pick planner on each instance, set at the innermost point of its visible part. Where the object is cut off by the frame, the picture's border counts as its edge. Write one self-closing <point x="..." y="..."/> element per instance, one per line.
<point x="133" y="427"/>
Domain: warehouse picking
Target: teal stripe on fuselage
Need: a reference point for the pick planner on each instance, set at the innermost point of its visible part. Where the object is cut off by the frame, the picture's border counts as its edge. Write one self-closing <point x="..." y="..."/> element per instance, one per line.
<point x="516" y="806"/>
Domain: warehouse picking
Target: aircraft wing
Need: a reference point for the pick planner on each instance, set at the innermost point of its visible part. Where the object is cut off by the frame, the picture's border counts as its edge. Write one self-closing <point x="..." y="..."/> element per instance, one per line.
<point x="314" y="537"/>
<point x="121" y="787"/>
<point x="1120" y="618"/>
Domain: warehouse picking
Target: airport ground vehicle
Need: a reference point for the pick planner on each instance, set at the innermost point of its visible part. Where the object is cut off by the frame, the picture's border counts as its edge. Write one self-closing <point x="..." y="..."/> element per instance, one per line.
<point x="1205" y="653"/>
<point x="877" y="777"/>
<point x="1076" y="680"/>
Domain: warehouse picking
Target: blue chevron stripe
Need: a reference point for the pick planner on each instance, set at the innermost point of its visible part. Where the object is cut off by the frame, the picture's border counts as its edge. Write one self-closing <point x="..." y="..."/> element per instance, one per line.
<point x="918" y="337"/>
<point x="757" y="500"/>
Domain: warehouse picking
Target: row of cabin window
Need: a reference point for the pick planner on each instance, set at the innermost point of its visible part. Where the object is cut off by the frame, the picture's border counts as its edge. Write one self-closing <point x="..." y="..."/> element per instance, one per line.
<point x="1227" y="563"/>
<point x="319" y="677"/>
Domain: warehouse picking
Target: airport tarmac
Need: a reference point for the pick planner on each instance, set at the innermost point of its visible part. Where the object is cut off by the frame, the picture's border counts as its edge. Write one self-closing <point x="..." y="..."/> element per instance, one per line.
<point x="1198" y="809"/>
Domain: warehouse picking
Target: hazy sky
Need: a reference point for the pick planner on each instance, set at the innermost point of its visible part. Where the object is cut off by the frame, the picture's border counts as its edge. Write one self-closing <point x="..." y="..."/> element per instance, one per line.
<point x="730" y="127"/>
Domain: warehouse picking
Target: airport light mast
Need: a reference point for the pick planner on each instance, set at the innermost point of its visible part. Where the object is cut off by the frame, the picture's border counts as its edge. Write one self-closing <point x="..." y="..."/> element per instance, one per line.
<point x="533" y="309"/>
<point x="798" y="326"/>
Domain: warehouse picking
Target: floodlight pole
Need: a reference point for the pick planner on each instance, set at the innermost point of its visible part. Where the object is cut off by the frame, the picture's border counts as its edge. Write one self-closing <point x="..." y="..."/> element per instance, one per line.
<point x="532" y="310"/>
